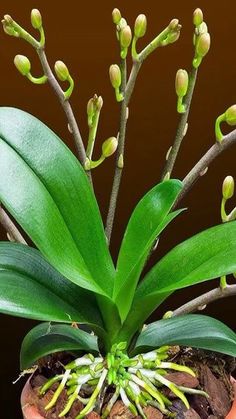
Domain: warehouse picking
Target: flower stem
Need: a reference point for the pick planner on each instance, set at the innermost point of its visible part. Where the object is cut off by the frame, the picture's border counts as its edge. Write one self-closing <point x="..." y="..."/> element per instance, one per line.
<point x="181" y="130"/>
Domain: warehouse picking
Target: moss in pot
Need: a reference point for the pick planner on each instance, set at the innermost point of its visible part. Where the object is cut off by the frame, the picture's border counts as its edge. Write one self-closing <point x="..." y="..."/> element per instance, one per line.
<point x="117" y="358"/>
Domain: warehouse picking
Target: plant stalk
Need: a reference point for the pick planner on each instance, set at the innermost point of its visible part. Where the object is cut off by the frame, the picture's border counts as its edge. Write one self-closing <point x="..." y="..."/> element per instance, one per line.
<point x="10" y="227"/>
<point x="181" y="130"/>
<point x="64" y="103"/>
<point x="205" y="299"/>
<point x="119" y="152"/>
<point x="202" y="165"/>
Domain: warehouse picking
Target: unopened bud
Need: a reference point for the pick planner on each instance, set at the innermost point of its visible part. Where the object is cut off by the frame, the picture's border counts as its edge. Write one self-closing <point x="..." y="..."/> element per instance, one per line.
<point x="116" y="16"/>
<point x="61" y="70"/>
<point x="22" y="64"/>
<point x="168" y="315"/>
<point x="122" y="23"/>
<point x="90" y="108"/>
<point x="228" y="187"/>
<point x="115" y="76"/>
<point x="181" y="83"/>
<point x="197" y="17"/>
<point x="140" y="26"/>
<point x="173" y="24"/>
<point x="36" y="19"/>
<point x="203" y="44"/>
<point x="99" y="103"/>
<point x="174" y="36"/>
<point x="125" y="37"/>
<point x="120" y="163"/>
<point x="202" y="28"/>
<point x="230" y="115"/>
<point x="109" y="146"/>
<point x="8" y="20"/>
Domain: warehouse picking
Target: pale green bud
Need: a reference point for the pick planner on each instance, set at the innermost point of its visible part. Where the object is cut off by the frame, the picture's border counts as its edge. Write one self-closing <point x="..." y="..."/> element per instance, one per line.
<point x="115" y="76"/>
<point x="90" y="108"/>
<point x="116" y="16"/>
<point x="99" y="103"/>
<point x="168" y="314"/>
<point x="140" y="26"/>
<point x="202" y="28"/>
<point x="173" y="25"/>
<point x="36" y="19"/>
<point x="203" y="44"/>
<point x="181" y="83"/>
<point x="228" y="187"/>
<point x="197" y="17"/>
<point x="125" y="37"/>
<point x="22" y="64"/>
<point x="230" y="115"/>
<point x="109" y="146"/>
<point x="122" y="23"/>
<point x="8" y="20"/>
<point x="61" y="70"/>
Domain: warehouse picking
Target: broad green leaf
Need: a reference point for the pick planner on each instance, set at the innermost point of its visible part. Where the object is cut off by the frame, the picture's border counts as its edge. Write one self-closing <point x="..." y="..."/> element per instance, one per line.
<point x="31" y="288"/>
<point x="46" y="339"/>
<point x="149" y="218"/>
<point x="205" y="256"/>
<point x="63" y="218"/>
<point x="192" y="330"/>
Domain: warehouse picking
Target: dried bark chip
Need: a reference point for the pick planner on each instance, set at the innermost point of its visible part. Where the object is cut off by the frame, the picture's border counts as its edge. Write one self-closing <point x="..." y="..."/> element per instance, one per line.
<point x="152" y="413"/>
<point x="183" y="379"/>
<point x="120" y="411"/>
<point x="93" y="415"/>
<point x="219" y="399"/>
<point x="200" y="405"/>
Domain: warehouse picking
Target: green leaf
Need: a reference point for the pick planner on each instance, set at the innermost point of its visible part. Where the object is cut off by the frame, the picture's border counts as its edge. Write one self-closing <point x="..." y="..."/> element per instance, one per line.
<point x="149" y="218"/>
<point x="31" y="288"/>
<point x="46" y="339"/>
<point x="63" y="218"/>
<point x="205" y="256"/>
<point x="192" y="330"/>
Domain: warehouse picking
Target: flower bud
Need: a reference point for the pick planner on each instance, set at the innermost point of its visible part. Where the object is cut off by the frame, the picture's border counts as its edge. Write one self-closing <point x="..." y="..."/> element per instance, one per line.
<point x="197" y="17"/>
<point x="99" y="103"/>
<point x="90" y="108"/>
<point x="181" y="83"/>
<point x="122" y="23"/>
<point x="202" y="28"/>
<point x="203" y="44"/>
<point x="116" y="16"/>
<point x="8" y="20"/>
<point x="115" y="76"/>
<point x="22" y="64"/>
<point x="173" y="25"/>
<point x="109" y="146"/>
<point x="36" y="19"/>
<point x="61" y="70"/>
<point x="125" y="37"/>
<point x="228" y="187"/>
<point x="140" y="26"/>
<point x="230" y="115"/>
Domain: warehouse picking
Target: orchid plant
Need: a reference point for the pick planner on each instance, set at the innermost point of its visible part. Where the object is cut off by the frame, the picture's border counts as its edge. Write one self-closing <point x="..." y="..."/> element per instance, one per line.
<point x="71" y="279"/>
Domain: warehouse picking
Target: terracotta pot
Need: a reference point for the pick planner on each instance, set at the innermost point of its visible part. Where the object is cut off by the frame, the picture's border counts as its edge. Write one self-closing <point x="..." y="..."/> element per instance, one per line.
<point x="30" y="411"/>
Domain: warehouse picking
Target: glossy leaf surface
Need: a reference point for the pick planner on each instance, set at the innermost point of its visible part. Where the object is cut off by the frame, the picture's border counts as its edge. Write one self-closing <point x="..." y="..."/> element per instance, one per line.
<point x="205" y="256"/>
<point x="149" y="218"/>
<point x="30" y="287"/>
<point x="193" y="330"/>
<point x="63" y="218"/>
<point x="46" y="339"/>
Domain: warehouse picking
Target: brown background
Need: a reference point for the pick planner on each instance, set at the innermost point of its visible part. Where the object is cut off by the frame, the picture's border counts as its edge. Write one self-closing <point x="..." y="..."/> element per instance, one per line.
<point x="82" y="34"/>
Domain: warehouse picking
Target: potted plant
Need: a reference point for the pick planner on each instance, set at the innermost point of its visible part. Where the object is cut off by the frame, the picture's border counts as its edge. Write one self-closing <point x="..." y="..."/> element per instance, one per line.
<point x="93" y="350"/>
